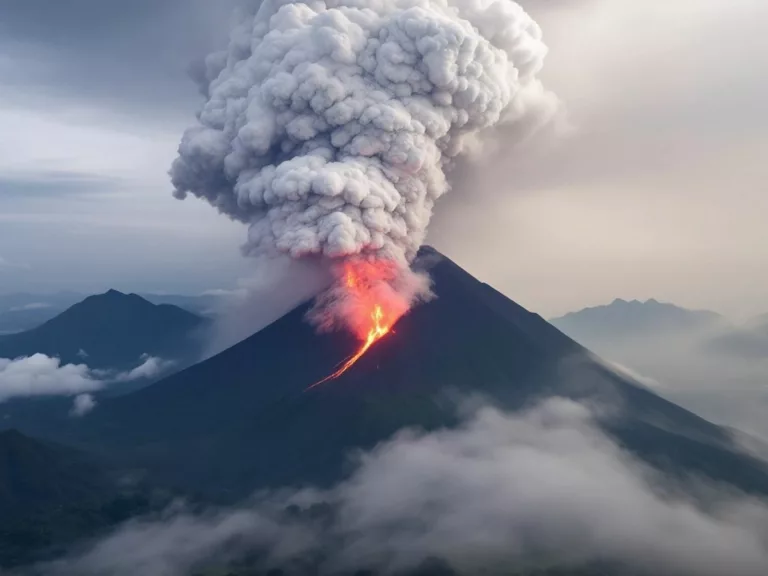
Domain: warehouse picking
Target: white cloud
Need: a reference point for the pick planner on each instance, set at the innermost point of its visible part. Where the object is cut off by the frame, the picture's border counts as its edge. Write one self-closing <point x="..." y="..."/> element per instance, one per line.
<point x="31" y="306"/>
<point x="40" y="375"/>
<point x="149" y="368"/>
<point x="89" y="179"/>
<point x="626" y="372"/>
<point x="224" y="293"/>
<point x="82" y="405"/>
<point x="535" y="490"/>
<point x="72" y="144"/>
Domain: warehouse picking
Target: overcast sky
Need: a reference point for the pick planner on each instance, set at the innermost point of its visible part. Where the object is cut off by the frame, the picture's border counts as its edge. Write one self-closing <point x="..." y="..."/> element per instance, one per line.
<point x="659" y="190"/>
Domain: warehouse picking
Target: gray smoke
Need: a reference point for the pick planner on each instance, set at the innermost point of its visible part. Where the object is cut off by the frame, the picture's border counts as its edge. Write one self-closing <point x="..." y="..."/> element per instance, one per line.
<point x="328" y="126"/>
<point x="279" y="285"/>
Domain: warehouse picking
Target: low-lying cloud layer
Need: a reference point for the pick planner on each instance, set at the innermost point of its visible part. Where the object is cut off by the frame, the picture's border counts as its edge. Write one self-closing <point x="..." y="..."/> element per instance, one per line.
<point x="727" y="386"/>
<point x="41" y="375"/>
<point x="534" y="490"/>
<point x="150" y="367"/>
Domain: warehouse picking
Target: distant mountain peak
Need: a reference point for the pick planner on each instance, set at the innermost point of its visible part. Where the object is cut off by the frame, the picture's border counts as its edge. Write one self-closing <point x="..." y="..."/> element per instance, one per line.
<point x="116" y="295"/>
<point x="621" y="302"/>
<point x="634" y="317"/>
<point x="115" y="301"/>
<point x="114" y="328"/>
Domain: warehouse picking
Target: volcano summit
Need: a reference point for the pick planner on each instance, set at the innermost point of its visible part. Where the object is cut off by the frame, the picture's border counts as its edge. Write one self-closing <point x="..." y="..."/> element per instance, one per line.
<point x="245" y="419"/>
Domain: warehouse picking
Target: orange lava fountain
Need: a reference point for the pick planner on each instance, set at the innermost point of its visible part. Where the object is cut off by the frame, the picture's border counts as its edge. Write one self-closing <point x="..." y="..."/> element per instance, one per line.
<point x="370" y="307"/>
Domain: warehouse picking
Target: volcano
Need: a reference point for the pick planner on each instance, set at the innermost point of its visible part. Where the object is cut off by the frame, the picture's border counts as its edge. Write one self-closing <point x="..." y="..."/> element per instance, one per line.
<point x="245" y="418"/>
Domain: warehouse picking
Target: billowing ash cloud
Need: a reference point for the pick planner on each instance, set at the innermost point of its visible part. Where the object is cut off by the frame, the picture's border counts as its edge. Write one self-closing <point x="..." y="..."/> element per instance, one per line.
<point x="502" y="493"/>
<point x="328" y="126"/>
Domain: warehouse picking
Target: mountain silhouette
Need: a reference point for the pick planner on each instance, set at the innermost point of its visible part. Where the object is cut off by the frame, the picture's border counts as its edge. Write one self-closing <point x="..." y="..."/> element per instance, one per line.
<point x="244" y="419"/>
<point x="627" y="319"/>
<point x="37" y="475"/>
<point x="23" y="311"/>
<point x="201" y="304"/>
<point x="109" y="331"/>
<point x="52" y="496"/>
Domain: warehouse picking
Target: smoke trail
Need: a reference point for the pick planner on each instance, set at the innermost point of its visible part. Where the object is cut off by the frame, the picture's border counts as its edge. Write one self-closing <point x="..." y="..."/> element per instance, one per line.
<point x="328" y="125"/>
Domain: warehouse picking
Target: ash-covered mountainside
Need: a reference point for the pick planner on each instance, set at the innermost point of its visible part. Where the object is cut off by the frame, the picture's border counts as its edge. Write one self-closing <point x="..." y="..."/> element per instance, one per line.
<point x="244" y="419"/>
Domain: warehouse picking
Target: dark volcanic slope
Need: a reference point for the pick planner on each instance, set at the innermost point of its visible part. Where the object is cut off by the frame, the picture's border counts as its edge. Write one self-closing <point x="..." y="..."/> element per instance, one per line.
<point x="52" y="496"/>
<point x="114" y="329"/>
<point x="243" y="420"/>
<point x="37" y="476"/>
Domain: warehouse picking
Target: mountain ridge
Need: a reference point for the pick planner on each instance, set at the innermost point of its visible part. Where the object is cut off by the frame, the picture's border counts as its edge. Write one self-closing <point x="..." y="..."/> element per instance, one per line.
<point x="36" y="475"/>
<point x="625" y="318"/>
<point x="108" y="331"/>
<point x="244" y="419"/>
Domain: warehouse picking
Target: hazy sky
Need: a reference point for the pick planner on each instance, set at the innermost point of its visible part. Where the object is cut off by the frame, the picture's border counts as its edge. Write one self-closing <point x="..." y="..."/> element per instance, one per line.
<point x="659" y="190"/>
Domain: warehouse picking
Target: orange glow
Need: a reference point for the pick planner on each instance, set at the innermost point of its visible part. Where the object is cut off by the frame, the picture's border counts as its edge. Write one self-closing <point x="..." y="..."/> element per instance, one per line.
<point x="370" y="307"/>
<point x="377" y="331"/>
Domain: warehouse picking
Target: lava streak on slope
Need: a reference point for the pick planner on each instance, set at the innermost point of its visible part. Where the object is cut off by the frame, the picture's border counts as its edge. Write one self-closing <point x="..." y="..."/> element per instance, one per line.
<point x="377" y="331"/>
<point x="366" y="301"/>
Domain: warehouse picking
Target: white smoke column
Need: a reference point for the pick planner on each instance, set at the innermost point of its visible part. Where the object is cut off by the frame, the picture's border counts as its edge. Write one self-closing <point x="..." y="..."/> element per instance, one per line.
<point x="328" y="125"/>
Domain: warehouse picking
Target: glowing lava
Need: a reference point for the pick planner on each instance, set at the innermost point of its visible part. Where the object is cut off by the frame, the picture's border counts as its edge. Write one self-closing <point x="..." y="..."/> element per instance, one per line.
<point x="377" y="332"/>
<point x="369" y="305"/>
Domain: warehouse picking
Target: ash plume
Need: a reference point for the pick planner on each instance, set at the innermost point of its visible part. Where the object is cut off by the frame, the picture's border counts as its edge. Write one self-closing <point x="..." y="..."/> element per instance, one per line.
<point x="328" y="126"/>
